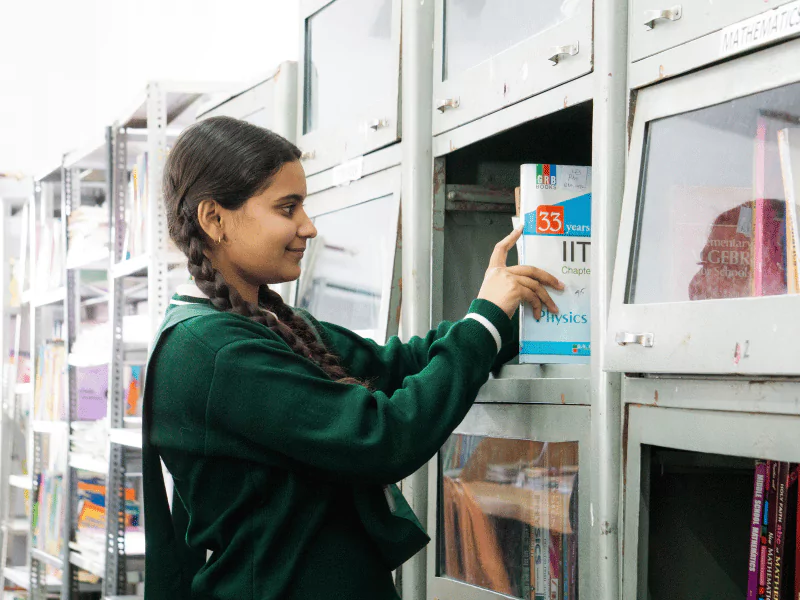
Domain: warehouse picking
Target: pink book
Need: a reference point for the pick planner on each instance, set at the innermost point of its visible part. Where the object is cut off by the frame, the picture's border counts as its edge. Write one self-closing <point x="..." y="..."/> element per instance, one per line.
<point x="755" y="530"/>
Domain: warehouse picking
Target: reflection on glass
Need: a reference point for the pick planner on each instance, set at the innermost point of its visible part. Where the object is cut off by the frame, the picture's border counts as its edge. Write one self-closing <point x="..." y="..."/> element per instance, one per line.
<point x="718" y="204"/>
<point x="508" y="517"/>
<point x="348" y="265"/>
<point x="349" y="68"/>
<point x="475" y="30"/>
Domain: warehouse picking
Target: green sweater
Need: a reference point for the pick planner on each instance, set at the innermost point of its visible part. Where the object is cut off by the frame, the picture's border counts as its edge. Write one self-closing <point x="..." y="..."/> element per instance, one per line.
<point x="284" y="474"/>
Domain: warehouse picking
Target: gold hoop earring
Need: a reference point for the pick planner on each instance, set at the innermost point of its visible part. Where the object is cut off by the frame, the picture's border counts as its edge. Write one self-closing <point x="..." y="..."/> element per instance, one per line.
<point x="219" y="240"/>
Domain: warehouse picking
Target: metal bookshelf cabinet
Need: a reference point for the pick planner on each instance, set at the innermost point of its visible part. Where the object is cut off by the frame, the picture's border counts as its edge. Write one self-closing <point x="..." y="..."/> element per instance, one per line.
<point x="530" y="63"/>
<point x="700" y="337"/>
<point x="12" y="399"/>
<point x="144" y="128"/>
<point x="582" y="400"/>
<point x="375" y="122"/>
<point x="43" y="305"/>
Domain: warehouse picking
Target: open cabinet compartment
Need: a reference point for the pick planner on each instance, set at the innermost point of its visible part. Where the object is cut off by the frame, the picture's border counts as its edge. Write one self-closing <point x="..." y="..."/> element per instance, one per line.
<point x="473" y="206"/>
<point x="689" y="500"/>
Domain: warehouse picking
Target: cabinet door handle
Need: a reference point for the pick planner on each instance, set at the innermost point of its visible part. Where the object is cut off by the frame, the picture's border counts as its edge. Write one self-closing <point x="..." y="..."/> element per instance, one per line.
<point x="651" y="17"/>
<point x="308" y="155"/>
<point x="623" y="338"/>
<point x="376" y="124"/>
<point x="443" y="105"/>
<point x="556" y="52"/>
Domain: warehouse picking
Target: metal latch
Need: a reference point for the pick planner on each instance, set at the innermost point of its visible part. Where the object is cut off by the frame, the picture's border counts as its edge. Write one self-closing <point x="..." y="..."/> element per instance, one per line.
<point x="376" y="124"/>
<point x="443" y="105"/>
<point x="308" y="155"/>
<point x="651" y="17"/>
<point x="556" y="52"/>
<point x="643" y="339"/>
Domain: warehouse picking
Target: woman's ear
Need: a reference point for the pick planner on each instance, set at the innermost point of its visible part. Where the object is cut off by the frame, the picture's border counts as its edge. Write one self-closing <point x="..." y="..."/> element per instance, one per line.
<point x="210" y="219"/>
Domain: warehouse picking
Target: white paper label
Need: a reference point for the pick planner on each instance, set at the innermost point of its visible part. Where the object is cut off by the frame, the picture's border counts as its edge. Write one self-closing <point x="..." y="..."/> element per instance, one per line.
<point x="775" y="24"/>
<point x="348" y="172"/>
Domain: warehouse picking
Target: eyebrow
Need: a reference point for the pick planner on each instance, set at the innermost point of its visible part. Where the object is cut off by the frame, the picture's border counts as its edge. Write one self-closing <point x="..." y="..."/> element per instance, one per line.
<point x="290" y="198"/>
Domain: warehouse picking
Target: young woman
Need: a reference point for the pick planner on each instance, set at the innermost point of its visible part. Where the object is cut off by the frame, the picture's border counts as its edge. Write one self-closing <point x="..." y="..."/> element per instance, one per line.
<point x="283" y="435"/>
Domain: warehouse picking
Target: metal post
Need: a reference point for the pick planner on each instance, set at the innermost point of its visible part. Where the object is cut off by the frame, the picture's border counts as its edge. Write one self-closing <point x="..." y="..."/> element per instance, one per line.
<point x="608" y="171"/>
<point x="70" y="196"/>
<point x="115" y="580"/>
<point x="157" y="235"/>
<point x="416" y="208"/>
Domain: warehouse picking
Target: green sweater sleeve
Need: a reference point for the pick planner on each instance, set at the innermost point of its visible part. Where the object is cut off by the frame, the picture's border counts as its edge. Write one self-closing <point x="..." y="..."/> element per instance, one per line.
<point x="264" y="395"/>
<point x="386" y="366"/>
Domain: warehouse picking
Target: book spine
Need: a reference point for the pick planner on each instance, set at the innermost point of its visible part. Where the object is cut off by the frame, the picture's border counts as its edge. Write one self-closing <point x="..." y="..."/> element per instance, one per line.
<point x="755" y="529"/>
<point x="525" y="576"/>
<point x="780" y="524"/>
<point x="554" y="498"/>
<point x="540" y="551"/>
<point x="770" y="512"/>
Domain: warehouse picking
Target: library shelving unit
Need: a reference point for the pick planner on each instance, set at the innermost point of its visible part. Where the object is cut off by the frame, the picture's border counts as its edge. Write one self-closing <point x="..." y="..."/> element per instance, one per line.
<point x="507" y="84"/>
<point x="16" y="390"/>
<point x="704" y="304"/>
<point x="145" y="269"/>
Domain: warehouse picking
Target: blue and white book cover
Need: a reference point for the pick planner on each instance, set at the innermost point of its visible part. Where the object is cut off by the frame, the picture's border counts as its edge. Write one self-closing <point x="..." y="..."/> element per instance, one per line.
<point x="556" y="209"/>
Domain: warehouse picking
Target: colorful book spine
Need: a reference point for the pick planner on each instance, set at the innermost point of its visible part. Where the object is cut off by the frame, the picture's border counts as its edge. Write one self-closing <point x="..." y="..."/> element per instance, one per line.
<point x="780" y="524"/>
<point x="542" y="547"/>
<point x="789" y="150"/>
<point x="555" y="537"/>
<point x="768" y="526"/>
<point x="755" y="529"/>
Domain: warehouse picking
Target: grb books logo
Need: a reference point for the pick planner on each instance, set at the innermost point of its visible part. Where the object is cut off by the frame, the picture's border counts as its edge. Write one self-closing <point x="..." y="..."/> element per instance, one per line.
<point x="545" y="177"/>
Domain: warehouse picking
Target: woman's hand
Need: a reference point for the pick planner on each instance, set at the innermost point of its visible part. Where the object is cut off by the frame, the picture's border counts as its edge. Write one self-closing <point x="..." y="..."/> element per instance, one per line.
<point x="508" y="286"/>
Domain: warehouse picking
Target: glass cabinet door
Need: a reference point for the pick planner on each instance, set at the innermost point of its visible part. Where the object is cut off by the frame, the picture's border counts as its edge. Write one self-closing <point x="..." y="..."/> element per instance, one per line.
<point x="510" y="504"/>
<point x="350" y="80"/>
<point x="493" y="53"/>
<point x="707" y="274"/>
<point x="349" y="269"/>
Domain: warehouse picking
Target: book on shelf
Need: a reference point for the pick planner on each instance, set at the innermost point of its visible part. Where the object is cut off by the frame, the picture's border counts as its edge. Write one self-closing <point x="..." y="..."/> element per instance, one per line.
<point x="49" y="265"/>
<point x="87" y="233"/>
<point x="774" y="538"/>
<point x="789" y="149"/>
<point x="50" y="382"/>
<point x="555" y="205"/>
<point x="132" y="382"/>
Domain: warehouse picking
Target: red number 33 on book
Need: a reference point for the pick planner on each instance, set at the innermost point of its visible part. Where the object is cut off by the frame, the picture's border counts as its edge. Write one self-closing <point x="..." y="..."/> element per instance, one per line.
<point x="550" y="220"/>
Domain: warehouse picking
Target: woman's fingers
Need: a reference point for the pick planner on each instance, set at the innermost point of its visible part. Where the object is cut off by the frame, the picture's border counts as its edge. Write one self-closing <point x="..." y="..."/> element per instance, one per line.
<point x="529" y="296"/>
<point x="540" y="291"/>
<point x="537" y="274"/>
<point x="503" y="247"/>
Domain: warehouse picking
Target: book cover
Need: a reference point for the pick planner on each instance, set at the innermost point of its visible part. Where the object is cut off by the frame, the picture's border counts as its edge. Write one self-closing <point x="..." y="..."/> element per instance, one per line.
<point x="780" y="524"/>
<point x="768" y="526"/>
<point x="556" y="210"/>
<point x="759" y="481"/>
<point x="789" y="149"/>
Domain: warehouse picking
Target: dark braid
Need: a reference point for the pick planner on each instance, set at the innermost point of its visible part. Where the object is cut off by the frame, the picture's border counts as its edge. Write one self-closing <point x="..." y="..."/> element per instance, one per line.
<point x="188" y="181"/>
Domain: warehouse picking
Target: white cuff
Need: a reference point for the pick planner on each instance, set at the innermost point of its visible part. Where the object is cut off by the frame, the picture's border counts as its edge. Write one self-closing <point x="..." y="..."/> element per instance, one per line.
<point x="489" y="326"/>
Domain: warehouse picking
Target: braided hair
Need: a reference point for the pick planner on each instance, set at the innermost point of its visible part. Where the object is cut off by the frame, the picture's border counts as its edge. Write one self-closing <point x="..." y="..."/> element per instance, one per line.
<point x="231" y="161"/>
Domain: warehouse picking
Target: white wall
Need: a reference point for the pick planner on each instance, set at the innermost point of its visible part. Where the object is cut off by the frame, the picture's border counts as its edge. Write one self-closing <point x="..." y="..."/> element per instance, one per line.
<point x="66" y="72"/>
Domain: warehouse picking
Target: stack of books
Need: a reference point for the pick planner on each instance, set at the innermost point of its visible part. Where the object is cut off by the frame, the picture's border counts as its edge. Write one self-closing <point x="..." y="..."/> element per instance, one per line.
<point x="774" y="539"/>
<point x="49" y="265"/>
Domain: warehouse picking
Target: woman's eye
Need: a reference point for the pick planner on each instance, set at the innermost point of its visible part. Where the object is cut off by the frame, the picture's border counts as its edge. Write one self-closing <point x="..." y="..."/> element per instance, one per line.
<point x="289" y="209"/>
